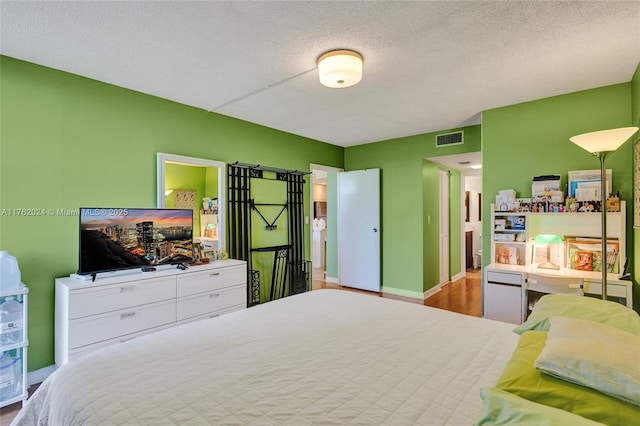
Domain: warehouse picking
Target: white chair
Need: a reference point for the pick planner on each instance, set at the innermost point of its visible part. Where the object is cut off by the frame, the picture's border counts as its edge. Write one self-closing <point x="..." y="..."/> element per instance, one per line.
<point x="537" y="285"/>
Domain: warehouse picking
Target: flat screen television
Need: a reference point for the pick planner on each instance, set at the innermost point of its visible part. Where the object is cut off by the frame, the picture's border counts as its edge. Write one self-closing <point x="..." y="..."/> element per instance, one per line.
<point x="116" y="238"/>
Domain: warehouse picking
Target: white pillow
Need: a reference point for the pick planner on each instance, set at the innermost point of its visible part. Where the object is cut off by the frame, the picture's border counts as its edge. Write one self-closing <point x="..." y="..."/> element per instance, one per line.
<point x="595" y="355"/>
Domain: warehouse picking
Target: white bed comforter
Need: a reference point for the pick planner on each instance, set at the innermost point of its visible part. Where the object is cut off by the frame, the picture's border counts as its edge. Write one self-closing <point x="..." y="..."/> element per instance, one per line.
<point x="324" y="357"/>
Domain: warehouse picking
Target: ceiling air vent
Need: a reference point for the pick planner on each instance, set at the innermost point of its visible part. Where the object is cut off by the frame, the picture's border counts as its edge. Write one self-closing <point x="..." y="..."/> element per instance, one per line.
<point x="455" y="138"/>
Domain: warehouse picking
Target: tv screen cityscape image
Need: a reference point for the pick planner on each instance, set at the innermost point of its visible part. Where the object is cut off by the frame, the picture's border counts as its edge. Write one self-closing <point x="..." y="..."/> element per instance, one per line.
<point x="115" y="238"/>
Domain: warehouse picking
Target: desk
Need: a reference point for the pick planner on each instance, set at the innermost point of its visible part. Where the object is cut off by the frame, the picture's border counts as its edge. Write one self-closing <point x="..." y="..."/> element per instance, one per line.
<point x="505" y="289"/>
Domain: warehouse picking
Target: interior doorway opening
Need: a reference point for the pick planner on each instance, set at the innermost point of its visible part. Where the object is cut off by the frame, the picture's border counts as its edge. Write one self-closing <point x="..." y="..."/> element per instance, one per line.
<point x="323" y="222"/>
<point x="468" y="220"/>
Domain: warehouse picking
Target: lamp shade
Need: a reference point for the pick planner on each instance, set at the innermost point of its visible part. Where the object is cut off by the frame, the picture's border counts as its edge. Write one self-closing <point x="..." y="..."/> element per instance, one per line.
<point x="548" y="239"/>
<point x="603" y="140"/>
<point x="340" y="68"/>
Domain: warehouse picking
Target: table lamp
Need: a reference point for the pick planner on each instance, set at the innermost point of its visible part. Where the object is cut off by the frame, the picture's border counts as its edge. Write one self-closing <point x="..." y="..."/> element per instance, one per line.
<point x="548" y="239"/>
<point x="601" y="144"/>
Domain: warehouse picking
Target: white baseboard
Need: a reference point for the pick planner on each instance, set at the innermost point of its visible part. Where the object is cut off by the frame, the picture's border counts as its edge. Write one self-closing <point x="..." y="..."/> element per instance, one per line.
<point x="402" y="292"/>
<point x="38" y="376"/>
<point x="458" y="276"/>
<point x="431" y="291"/>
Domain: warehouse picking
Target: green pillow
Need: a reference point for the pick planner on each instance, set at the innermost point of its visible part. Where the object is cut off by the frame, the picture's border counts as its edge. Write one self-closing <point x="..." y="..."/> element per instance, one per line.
<point x="500" y="408"/>
<point x="521" y="378"/>
<point x="573" y="306"/>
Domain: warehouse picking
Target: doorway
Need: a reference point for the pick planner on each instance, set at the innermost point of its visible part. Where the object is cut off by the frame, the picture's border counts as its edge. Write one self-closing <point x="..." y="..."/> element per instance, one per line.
<point x="470" y="179"/>
<point x="323" y="222"/>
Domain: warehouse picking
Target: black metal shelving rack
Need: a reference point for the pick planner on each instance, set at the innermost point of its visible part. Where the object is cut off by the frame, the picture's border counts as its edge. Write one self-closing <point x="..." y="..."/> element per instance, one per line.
<point x="291" y="272"/>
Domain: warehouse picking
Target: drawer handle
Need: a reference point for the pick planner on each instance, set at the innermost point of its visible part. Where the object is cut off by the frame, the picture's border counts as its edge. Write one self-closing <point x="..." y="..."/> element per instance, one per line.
<point x="127" y="315"/>
<point x="214" y="274"/>
<point x="214" y="295"/>
<point x="127" y="288"/>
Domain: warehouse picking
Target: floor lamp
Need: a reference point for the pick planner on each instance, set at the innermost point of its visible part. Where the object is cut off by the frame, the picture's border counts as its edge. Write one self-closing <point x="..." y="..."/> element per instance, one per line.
<point x="601" y="144"/>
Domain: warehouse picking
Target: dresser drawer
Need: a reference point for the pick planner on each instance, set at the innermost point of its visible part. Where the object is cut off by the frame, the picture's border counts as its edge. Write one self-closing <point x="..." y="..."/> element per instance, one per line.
<point x="212" y="279"/>
<point x="213" y="314"/>
<point x="83" y="350"/>
<point x="509" y="278"/>
<point x="98" y="328"/>
<point x="614" y="290"/>
<point x="206" y="303"/>
<point x="96" y="300"/>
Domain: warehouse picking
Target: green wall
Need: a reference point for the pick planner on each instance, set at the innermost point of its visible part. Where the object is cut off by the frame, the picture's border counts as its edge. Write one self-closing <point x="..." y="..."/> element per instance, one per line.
<point x="529" y="139"/>
<point x="404" y="232"/>
<point x="68" y="141"/>
<point x="635" y="116"/>
<point x="181" y="177"/>
<point x="211" y="182"/>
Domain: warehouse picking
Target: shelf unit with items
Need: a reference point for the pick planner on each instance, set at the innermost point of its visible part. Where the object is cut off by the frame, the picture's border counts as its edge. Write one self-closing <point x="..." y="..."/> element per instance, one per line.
<point x="509" y="235"/>
<point x="581" y="236"/>
<point x="512" y="234"/>
<point x="14" y="342"/>
<point x="583" y="231"/>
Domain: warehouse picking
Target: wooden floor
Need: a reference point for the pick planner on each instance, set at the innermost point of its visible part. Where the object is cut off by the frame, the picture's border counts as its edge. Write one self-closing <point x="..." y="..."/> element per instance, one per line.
<point x="462" y="296"/>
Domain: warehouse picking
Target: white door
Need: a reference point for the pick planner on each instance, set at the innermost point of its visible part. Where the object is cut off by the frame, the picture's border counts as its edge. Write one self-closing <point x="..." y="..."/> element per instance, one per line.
<point x="359" y="229"/>
<point x="444" y="226"/>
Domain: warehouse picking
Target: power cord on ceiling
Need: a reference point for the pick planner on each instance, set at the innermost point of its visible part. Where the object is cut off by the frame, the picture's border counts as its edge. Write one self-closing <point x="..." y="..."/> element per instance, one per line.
<point x="262" y="89"/>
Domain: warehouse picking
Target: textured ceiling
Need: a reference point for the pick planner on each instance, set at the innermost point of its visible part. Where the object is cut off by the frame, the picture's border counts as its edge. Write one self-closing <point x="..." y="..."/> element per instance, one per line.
<point x="428" y="66"/>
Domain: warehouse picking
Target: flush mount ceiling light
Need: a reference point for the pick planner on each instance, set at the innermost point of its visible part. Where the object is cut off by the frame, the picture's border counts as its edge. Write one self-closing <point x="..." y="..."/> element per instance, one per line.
<point x="340" y="68"/>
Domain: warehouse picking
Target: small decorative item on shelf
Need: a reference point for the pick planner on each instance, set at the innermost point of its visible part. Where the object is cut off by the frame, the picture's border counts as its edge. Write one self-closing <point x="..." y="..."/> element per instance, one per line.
<point x="507" y="255"/>
<point x="504" y="237"/>
<point x="584" y="261"/>
<point x="589" y="206"/>
<point x="515" y="222"/>
<point x="197" y="253"/>
<point x="571" y="205"/>
<point x="547" y="186"/>
<point x="506" y="201"/>
<point x="539" y="206"/>
<point x="613" y="204"/>
<point x="524" y="207"/>
<point x="209" y="205"/>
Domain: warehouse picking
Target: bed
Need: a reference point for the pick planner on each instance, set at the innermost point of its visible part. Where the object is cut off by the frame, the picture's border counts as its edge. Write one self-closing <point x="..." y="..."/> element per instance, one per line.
<point x="334" y="357"/>
<point x="322" y="357"/>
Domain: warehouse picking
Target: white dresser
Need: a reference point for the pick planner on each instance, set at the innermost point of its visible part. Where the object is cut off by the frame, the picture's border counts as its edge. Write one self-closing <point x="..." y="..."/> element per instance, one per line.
<point x="90" y="315"/>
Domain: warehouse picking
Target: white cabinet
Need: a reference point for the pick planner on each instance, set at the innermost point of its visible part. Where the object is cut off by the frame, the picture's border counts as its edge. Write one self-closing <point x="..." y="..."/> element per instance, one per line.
<point x="90" y="315"/>
<point x="14" y="342"/>
<point x="503" y="296"/>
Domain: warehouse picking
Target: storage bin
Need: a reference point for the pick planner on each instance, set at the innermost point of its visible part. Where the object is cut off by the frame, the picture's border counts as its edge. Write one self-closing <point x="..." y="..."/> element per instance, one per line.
<point x="10" y="321"/>
<point x="10" y="276"/>
<point x="10" y="376"/>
